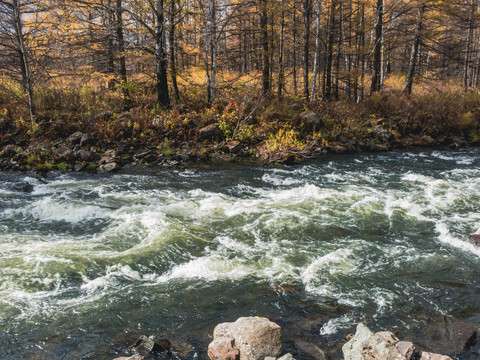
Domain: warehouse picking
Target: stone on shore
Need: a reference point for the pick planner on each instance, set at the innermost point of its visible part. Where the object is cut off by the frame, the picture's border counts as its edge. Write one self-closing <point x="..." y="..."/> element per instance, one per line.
<point x="366" y="345"/>
<point x="407" y="348"/>
<point x="255" y="338"/>
<point x="134" y="357"/>
<point x="431" y="356"/>
<point x="388" y="336"/>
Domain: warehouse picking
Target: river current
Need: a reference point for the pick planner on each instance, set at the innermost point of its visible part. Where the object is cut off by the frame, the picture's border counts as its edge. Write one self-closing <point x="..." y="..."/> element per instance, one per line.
<point x="88" y="263"/>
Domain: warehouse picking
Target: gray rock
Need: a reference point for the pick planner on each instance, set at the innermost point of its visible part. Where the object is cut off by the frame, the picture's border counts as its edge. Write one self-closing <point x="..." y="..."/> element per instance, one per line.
<point x="308" y="351"/>
<point x="406" y="348"/>
<point x="146" y="346"/>
<point x="62" y="152"/>
<point x="365" y="345"/>
<point x="310" y="117"/>
<point x="106" y="168"/>
<point x="446" y="335"/>
<point x="287" y="357"/>
<point x="134" y="357"/>
<point x="284" y="357"/>
<point x="107" y="157"/>
<point x="76" y="137"/>
<point x="254" y="337"/>
<point x="209" y="132"/>
<point x="85" y="155"/>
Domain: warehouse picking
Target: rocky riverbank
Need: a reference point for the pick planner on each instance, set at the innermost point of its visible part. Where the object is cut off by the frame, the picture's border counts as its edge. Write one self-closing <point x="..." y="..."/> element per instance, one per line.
<point x="54" y="147"/>
<point x="257" y="338"/>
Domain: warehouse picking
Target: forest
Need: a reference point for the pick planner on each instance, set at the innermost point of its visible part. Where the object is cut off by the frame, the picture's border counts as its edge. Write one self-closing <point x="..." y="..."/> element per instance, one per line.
<point x="277" y="79"/>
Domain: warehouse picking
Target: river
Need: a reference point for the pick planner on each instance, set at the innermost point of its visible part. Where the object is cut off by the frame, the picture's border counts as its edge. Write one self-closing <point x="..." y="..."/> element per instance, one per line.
<point x="89" y="262"/>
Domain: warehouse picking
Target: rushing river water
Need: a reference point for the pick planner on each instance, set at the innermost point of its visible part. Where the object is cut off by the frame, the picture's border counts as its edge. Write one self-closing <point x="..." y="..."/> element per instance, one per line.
<point x="88" y="263"/>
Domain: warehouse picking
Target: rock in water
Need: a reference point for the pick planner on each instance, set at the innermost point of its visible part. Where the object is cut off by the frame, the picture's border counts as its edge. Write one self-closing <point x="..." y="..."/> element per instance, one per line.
<point x="255" y="338"/>
<point x="365" y="345"/>
<point x="475" y="239"/>
<point x="447" y="335"/>
<point x="146" y="346"/>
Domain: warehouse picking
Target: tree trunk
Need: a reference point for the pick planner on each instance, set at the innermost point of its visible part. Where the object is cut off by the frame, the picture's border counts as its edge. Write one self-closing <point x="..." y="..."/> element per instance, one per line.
<point x="212" y="46"/>
<point x="27" y="76"/>
<point x="294" y="47"/>
<point x="281" y="66"/>
<point x="316" y="59"/>
<point x="160" y="55"/>
<point x="307" y="16"/>
<point x="127" y="101"/>
<point x="362" y="53"/>
<point x="110" y="49"/>
<point x="377" y="50"/>
<point x="173" y="65"/>
<point x="329" y="59"/>
<point x="265" y="52"/>
<point x="413" y="54"/>
<point x="471" y="26"/>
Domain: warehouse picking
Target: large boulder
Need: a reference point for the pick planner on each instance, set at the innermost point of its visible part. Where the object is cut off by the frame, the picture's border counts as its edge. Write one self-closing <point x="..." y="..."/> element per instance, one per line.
<point x="255" y="338"/>
<point x="366" y="345"/>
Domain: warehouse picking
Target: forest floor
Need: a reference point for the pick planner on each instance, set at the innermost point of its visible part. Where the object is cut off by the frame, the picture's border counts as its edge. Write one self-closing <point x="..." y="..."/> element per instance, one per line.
<point x="82" y="130"/>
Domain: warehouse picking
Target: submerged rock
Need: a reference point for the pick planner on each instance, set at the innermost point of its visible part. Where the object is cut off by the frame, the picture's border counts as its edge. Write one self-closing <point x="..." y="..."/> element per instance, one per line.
<point x="146" y="346"/>
<point x="308" y="351"/>
<point x="366" y="345"/>
<point x="447" y="335"/>
<point x="255" y="338"/>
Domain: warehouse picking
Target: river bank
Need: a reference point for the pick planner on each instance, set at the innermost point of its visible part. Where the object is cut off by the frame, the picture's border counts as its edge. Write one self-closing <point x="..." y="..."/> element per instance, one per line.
<point x="260" y="131"/>
<point x="81" y="151"/>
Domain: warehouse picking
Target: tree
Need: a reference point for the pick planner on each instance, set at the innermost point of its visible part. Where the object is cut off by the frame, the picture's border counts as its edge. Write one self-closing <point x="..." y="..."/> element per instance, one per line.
<point x="414" y="53"/>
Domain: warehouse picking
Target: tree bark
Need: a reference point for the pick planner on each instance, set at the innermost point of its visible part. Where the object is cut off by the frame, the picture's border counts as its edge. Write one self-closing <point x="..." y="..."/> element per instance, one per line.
<point x="281" y="66"/>
<point x="316" y="59"/>
<point x="160" y="55"/>
<point x="329" y="59"/>
<point x="307" y="16"/>
<point x="265" y="52"/>
<point x="127" y="101"/>
<point x="27" y="76"/>
<point x="377" y="50"/>
<point x="471" y="27"/>
<point x="414" y="53"/>
<point x="173" y="64"/>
